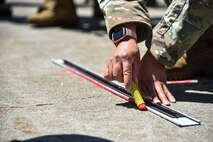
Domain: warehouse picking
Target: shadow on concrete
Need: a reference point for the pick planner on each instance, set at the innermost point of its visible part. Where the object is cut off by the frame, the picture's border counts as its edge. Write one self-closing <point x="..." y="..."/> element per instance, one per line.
<point x="193" y="97"/>
<point x="15" y="19"/>
<point x="127" y="105"/>
<point x="201" y="92"/>
<point x="64" y="138"/>
<point x="85" y="25"/>
<point x="88" y="25"/>
<point x="24" y="4"/>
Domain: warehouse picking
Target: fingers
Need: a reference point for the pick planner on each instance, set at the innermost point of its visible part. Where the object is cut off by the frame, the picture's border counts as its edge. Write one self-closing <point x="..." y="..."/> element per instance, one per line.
<point x="144" y="92"/>
<point x="121" y="72"/>
<point x="158" y="93"/>
<point x="135" y="71"/>
<point x="152" y="92"/>
<point x="156" y="100"/>
<point x="127" y="75"/>
<point x="117" y="71"/>
<point x="164" y="94"/>
<point x="161" y="93"/>
<point x="113" y="70"/>
<point x="107" y="73"/>
<point x="120" y="65"/>
<point x="168" y="94"/>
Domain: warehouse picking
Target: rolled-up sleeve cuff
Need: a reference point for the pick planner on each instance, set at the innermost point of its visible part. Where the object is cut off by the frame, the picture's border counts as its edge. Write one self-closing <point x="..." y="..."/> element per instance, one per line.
<point x="129" y="12"/>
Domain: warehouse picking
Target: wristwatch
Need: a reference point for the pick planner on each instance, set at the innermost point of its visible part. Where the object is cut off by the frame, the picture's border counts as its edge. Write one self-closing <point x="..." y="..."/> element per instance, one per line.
<point x="121" y="33"/>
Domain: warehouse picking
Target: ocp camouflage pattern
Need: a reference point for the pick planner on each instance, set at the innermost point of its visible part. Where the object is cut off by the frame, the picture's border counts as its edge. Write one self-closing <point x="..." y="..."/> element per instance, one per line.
<point x="180" y="27"/>
<point x="117" y="12"/>
<point x="182" y="24"/>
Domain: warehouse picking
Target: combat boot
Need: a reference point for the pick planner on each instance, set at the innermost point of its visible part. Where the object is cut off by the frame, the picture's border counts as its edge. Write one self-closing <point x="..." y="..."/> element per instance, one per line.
<point x="198" y="61"/>
<point x="55" y="12"/>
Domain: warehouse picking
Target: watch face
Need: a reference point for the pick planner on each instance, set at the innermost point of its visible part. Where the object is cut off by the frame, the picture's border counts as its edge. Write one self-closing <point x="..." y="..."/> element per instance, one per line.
<point x="118" y="34"/>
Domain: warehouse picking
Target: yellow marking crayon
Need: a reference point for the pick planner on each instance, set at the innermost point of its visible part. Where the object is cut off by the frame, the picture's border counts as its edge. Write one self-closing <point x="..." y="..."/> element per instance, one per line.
<point x="137" y="97"/>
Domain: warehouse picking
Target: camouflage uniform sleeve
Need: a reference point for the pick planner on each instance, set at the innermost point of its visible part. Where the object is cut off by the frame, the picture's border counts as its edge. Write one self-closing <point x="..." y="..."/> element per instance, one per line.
<point x="180" y="27"/>
<point x="119" y="12"/>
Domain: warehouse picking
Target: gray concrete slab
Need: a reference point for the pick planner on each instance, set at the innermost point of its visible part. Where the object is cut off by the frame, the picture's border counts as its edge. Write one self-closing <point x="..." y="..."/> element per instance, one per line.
<point x="42" y="102"/>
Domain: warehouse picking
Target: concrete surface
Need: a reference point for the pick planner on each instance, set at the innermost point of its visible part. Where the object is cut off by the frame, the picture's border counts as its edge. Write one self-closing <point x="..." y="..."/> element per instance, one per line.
<point x="42" y="102"/>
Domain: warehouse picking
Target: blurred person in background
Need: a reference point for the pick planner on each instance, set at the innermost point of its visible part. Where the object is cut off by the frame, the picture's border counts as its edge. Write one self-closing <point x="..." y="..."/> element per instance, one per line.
<point x="63" y="12"/>
<point x="60" y="12"/>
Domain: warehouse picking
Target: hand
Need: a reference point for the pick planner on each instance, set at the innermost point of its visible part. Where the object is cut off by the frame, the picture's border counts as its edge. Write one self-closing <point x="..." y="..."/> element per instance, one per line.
<point x="123" y="65"/>
<point x="152" y="81"/>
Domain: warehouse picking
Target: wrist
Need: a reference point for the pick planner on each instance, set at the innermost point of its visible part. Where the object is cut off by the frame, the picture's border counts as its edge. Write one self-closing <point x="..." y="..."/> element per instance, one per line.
<point x="124" y="33"/>
<point x="128" y="40"/>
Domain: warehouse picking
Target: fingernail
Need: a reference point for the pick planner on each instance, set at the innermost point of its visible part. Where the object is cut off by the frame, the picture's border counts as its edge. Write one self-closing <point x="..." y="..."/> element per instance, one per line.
<point x="173" y="100"/>
<point x="158" y="103"/>
<point x="167" y="104"/>
<point x="149" y="98"/>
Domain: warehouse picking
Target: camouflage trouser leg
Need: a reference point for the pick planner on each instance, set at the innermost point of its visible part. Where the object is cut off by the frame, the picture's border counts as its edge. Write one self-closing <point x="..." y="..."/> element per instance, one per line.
<point x="181" y="26"/>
